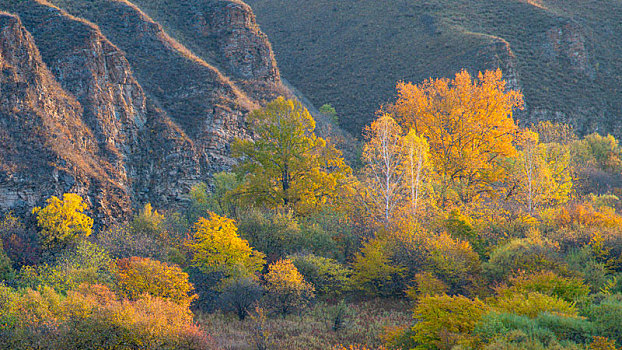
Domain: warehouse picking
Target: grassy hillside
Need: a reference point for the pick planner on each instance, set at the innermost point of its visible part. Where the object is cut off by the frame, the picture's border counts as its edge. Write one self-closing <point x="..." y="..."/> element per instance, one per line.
<point x="565" y="54"/>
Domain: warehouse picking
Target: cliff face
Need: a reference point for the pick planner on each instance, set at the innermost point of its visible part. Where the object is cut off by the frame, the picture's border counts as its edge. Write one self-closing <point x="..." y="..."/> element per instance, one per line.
<point x="97" y="99"/>
<point x="46" y="147"/>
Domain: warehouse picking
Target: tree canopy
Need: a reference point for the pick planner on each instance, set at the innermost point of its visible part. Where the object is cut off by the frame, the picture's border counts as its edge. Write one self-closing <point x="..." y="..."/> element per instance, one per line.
<point x="63" y="221"/>
<point x="285" y="163"/>
<point x="468" y="124"/>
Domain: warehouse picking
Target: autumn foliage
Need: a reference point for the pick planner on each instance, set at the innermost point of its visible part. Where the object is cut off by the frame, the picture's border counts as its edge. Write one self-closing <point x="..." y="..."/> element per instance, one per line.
<point x="468" y="124"/>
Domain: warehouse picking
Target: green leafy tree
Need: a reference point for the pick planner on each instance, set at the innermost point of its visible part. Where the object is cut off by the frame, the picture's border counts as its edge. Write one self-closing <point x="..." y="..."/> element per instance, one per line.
<point x="63" y="221"/>
<point x="328" y="276"/>
<point x="329" y="111"/>
<point x="217" y="248"/>
<point x="286" y="164"/>
<point x="373" y="270"/>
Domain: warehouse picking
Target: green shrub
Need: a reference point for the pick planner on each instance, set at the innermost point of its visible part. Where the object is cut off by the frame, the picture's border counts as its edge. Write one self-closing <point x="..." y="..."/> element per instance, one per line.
<point x="607" y="317"/>
<point x="549" y="283"/>
<point x="530" y="254"/>
<point x="329" y="277"/>
<point x="545" y="329"/>
<point x="86" y="263"/>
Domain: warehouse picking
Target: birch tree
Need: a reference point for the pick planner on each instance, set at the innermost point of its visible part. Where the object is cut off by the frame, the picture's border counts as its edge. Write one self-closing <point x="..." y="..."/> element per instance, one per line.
<point x="384" y="171"/>
<point x="417" y="150"/>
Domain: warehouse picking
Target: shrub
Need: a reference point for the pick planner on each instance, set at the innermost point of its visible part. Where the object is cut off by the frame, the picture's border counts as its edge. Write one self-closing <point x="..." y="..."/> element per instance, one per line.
<point x="531" y="304"/>
<point x="454" y="262"/>
<point x="122" y="242"/>
<point x="329" y="277"/>
<point x="21" y="244"/>
<point x="239" y="295"/>
<point x="445" y="321"/>
<point x="547" y="331"/>
<point x="530" y="254"/>
<point x="374" y="273"/>
<point x="549" y="283"/>
<point x="286" y="289"/>
<point x="92" y="317"/>
<point x="149" y="222"/>
<point x="607" y="317"/>
<point x="62" y="222"/>
<point x="6" y="267"/>
<point x="426" y="284"/>
<point x="86" y="263"/>
<point x="602" y="343"/>
<point x="138" y="276"/>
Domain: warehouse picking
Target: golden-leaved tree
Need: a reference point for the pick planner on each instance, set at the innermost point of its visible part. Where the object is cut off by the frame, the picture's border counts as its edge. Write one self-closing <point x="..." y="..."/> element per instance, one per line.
<point x="285" y="163"/>
<point x="217" y="248"/>
<point x="63" y="221"/>
<point x="468" y="124"/>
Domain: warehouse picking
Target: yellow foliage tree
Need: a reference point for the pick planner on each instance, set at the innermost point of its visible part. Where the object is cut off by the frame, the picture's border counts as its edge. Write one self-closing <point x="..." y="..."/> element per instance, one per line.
<point x="287" y="290"/>
<point x="540" y="174"/>
<point x="137" y="276"/>
<point x="63" y="221"/>
<point x="468" y="124"/>
<point x="417" y="167"/>
<point x="217" y="248"/>
<point x="286" y="164"/>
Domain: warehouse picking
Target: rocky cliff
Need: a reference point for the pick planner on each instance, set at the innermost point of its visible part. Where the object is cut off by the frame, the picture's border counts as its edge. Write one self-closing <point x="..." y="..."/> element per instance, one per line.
<point x="97" y="98"/>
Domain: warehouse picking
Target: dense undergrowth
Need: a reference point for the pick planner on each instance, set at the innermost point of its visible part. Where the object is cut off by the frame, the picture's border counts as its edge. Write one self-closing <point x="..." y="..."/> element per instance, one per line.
<point x="514" y="244"/>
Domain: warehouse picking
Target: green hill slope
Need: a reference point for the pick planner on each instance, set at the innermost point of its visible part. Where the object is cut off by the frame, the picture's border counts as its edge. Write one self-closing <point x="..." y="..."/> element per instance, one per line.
<point x="566" y="56"/>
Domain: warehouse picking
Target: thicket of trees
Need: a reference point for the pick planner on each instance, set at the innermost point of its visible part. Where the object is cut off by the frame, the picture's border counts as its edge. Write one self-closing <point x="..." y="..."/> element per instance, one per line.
<point x="495" y="235"/>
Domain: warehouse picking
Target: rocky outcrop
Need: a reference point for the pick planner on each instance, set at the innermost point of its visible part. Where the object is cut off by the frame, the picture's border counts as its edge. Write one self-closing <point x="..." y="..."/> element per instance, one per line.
<point x="46" y="148"/>
<point x="97" y="99"/>
<point x="245" y="48"/>
<point x="225" y="34"/>
<point x="567" y="43"/>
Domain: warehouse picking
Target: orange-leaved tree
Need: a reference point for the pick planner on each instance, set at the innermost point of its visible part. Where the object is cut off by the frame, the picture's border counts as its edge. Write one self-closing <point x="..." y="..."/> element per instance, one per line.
<point x="468" y="124"/>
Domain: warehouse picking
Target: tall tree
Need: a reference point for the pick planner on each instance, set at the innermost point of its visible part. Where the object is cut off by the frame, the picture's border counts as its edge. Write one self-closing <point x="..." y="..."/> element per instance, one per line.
<point x="384" y="157"/>
<point x="468" y="124"/>
<point x="285" y="163"/>
<point x="417" y="152"/>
